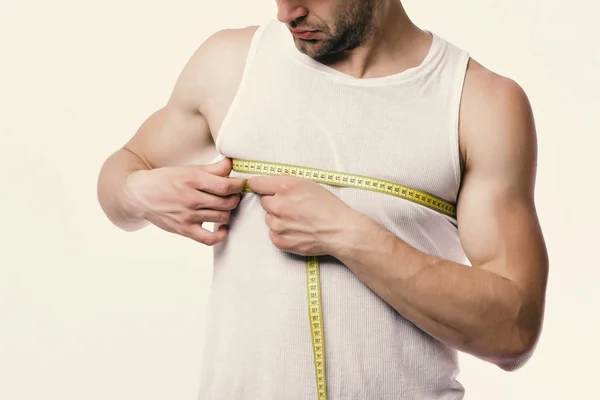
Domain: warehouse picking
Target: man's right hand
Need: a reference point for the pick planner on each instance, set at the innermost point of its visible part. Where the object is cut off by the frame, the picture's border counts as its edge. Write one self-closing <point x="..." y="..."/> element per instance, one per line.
<point x="167" y="191"/>
<point x="180" y="199"/>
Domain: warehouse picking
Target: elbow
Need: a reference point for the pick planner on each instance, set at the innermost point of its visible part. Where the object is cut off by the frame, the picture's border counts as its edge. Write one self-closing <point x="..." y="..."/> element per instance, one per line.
<point x="512" y="363"/>
<point x="521" y="339"/>
<point x="113" y="203"/>
<point x="518" y="353"/>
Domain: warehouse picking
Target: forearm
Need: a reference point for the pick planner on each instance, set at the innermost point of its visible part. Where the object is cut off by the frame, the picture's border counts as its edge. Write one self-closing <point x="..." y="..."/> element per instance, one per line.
<point x="113" y="193"/>
<point x="467" y="308"/>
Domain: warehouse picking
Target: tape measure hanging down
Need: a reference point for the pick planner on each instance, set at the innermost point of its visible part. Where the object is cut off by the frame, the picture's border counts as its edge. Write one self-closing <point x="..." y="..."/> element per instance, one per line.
<point x="313" y="281"/>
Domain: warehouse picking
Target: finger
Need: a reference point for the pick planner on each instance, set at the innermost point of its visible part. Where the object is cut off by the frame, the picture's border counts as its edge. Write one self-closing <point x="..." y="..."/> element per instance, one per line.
<point x="270" y="205"/>
<point x="264" y="184"/>
<point x="193" y="231"/>
<point x="210" y="201"/>
<point x="203" y="235"/>
<point x="218" y="185"/>
<point x="274" y="223"/>
<point x="201" y="216"/>
<point x="221" y="168"/>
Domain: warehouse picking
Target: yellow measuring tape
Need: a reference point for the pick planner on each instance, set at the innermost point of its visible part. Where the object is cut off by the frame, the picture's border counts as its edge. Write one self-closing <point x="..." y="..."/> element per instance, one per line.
<point x="313" y="281"/>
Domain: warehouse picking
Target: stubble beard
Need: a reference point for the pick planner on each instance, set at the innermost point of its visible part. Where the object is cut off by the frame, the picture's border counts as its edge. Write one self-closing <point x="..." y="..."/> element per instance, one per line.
<point x="352" y="27"/>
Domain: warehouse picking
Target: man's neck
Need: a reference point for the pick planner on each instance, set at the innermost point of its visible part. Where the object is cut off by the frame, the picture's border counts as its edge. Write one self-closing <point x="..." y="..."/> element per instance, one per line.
<point x="396" y="45"/>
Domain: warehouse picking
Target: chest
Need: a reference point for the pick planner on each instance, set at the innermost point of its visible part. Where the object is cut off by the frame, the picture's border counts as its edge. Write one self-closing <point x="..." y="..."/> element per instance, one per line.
<point x="410" y="143"/>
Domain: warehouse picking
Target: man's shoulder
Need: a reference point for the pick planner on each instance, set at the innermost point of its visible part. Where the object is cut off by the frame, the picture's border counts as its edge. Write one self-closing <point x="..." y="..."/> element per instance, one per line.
<point x="492" y="104"/>
<point x="487" y="96"/>
<point x="225" y="49"/>
<point x="216" y="67"/>
<point x="484" y="83"/>
<point x="230" y="41"/>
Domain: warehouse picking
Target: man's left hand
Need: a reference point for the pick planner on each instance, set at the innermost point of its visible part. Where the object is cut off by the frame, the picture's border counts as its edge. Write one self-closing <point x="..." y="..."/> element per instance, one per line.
<point x="304" y="218"/>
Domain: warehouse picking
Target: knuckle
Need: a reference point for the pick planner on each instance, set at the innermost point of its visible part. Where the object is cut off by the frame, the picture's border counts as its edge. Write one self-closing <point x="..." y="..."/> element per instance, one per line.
<point x="284" y="187"/>
<point x="195" y="233"/>
<point x="275" y="239"/>
<point x="274" y="224"/>
<point x="277" y="228"/>
<point x="221" y="187"/>
<point x="187" y="217"/>
<point x="186" y="177"/>
<point x="224" y="216"/>
<point x="211" y="240"/>
<point x="276" y="207"/>
<point x="189" y="201"/>
<point x="207" y="241"/>
<point x="183" y="218"/>
<point x="287" y="186"/>
<point x="183" y="230"/>
<point x="269" y="220"/>
<point x="232" y="202"/>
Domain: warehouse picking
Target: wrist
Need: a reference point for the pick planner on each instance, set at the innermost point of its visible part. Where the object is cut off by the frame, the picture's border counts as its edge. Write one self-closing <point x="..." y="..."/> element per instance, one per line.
<point x="132" y="207"/>
<point x="353" y="235"/>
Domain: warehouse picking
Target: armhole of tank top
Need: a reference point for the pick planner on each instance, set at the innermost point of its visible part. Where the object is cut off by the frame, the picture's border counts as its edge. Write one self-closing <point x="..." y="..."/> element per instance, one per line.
<point x="245" y="73"/>
<point x="457" y="92"/>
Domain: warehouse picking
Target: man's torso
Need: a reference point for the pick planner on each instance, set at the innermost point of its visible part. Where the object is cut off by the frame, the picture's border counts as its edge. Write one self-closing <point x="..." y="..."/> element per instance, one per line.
<point x="249" y="273"/>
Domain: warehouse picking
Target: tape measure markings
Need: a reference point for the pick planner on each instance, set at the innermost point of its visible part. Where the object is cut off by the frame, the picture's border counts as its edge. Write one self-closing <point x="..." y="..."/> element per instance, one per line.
<point x="315" y="313"/>
<point x="313" y="280"/>
<point x="348" y="180"/>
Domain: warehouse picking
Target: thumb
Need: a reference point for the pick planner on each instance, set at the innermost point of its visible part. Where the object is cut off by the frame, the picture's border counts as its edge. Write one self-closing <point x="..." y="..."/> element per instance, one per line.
<point x="221" y="168"/>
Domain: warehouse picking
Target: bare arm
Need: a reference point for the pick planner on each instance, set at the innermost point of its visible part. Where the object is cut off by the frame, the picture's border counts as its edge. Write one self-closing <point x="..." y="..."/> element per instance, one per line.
<point x="144" y="152"/>
<point x="494" y="309"/>
<point x="178" y="134"/>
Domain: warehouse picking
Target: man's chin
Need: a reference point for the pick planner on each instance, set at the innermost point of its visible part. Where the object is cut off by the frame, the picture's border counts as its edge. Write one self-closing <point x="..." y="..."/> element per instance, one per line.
<point x="308" y="47"/>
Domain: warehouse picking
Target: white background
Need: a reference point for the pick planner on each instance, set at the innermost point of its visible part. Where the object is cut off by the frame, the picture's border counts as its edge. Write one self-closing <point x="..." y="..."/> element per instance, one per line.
<point x="88" y="312"/>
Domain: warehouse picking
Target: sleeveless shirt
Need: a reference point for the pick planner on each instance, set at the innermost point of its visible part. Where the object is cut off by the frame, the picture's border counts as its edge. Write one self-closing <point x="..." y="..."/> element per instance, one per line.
<point x="291" y="109"/>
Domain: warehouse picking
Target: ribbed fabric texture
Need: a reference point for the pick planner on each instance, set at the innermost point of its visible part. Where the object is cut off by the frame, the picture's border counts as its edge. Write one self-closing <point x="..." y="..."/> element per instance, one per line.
<point x="403" y="128"/>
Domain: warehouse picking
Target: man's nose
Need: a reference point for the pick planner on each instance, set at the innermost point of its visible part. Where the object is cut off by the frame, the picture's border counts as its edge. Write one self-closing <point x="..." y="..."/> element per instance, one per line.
<point x="290" y="10"/>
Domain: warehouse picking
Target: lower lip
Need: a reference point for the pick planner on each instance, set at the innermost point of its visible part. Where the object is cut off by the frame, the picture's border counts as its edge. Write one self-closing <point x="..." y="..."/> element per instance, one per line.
<point x="304" y="35"/>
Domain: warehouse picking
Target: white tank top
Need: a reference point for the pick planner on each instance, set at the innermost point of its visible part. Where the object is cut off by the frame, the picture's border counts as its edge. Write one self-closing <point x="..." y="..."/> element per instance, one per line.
<point x="402" y="128"/>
